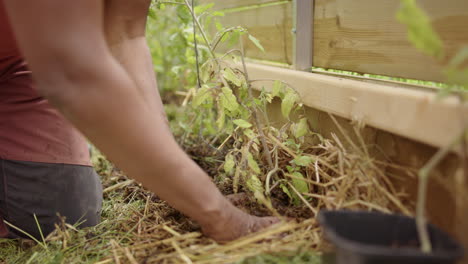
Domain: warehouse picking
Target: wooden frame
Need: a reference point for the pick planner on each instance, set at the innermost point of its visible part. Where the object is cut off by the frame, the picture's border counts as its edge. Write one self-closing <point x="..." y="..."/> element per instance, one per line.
<point x="364" y="36"/>
<point x="271" y="25"/>
<point x="359" y="36"/>
<point x="303" y="29"/>
<point x="416" y="114"/>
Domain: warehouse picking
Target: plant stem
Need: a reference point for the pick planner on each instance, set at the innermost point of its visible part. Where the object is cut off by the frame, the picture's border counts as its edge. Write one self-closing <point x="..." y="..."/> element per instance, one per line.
<point x="202" y="32"/>
<point x="271" y="173"/>
<point x="464" y="143"/>
<point x="421" y="226"/>
<point x="423" y="176"/>
<point x="205" y="38"/>
<point x="218" y="37"/>
<point x="172" y="3"/>
<point x="258" y="123"/>
<point x="196" y="46"/>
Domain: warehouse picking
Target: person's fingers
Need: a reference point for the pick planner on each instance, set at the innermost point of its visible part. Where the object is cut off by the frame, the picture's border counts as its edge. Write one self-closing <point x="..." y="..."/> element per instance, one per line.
<point x="270" y="220"/>
<point x="238" y="198"/>
<point x="264" y="222"/>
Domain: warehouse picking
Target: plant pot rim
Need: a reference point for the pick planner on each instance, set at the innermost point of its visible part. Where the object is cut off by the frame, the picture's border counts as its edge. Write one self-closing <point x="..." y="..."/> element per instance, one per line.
<point x="373" y="250"/>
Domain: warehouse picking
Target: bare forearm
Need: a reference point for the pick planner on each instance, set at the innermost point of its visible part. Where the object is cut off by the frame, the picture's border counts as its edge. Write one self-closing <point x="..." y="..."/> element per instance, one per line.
<point x="111" y="113"/>
<point x="70" y="59"/>
<point x="134" y="56"/>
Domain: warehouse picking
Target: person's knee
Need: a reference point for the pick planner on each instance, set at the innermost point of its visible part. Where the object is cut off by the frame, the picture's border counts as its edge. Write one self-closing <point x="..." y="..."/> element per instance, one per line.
<point x="50" y="194"/>
<point x="82" y="206"/>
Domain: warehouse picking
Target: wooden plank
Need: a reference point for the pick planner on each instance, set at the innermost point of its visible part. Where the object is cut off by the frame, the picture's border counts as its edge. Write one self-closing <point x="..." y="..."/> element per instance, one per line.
<point x="304" y="10"/>
<point x="364" y="36"/>
<point x="226" y="4"/>
<point x="412" y="113"/>
<point x="272" y="25"/>
<point x="447" y="207"/>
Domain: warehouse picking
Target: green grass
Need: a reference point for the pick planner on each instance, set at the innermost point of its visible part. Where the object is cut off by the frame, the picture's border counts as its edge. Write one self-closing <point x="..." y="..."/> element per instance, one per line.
<point x="284" y="258"/>
<point x="83" y="246"/>
<point x="383" y="78"/>
<point x="123" y="210"/>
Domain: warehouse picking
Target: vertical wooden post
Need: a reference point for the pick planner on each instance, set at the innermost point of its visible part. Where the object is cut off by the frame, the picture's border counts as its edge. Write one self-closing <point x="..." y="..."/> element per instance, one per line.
<point x="303" y="29"/>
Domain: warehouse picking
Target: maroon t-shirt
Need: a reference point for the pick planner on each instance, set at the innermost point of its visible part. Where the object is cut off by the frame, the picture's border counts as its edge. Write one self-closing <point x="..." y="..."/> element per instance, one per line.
<point x="30" y="129"/>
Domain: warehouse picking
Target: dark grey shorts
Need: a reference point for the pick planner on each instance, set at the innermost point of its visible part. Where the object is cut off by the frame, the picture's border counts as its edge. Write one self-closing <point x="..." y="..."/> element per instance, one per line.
<point x="45" y="190"/>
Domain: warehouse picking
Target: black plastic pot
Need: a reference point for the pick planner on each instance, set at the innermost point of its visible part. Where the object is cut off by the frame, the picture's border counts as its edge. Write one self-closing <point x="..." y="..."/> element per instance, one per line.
<point x="372" y="237"/>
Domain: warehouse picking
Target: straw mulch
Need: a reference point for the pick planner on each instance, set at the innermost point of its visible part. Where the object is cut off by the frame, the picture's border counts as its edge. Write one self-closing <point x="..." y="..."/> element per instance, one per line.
<point x="339" y="178"/>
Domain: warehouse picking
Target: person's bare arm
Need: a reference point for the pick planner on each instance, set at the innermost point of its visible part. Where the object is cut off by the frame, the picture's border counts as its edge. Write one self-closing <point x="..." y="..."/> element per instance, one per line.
<point x="125" y="31"/>
<point x="66" y="48"/>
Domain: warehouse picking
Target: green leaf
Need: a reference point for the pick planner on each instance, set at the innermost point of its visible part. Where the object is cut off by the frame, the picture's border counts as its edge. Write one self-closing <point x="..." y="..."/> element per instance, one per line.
<point x="151" y="14"/>
<point x="201" y="96"/>
<point x="253" y="165"/>
<point x="455" y="73"/>
<point x="208" y="125"/>
<point x="229" y="75"/>
<point x="299" y="183"/>
<point x="234" y="37"/>
<point x="458" y="77"/>
<point x="301" y="128"/>
<point x="203" y="8"/>
<point x="256" y="42"/>
<point x="228" y="100"/>
<point x="265" y="97"/>
<point x="460" y="57"/>
<point x="229" y="164"/>
<point x="217" y="14"/>
<point x="258" y="101"/>
<point x="285" y="189"/>
<point x="218" y="26"/>
<point x="420" y="31"/>
<point x="288" y="103"/>
<point x="206" y="71"/>
<point x="254" y="184"/>
<point x="303" y="161"/>
<point x="190" y="56"/>
<point x="204" y="75"/>
<point x="221" y="118"/>
<point x="249" y="133"/>
<point x="277" y="85"/>
<point x="242" y="123"/>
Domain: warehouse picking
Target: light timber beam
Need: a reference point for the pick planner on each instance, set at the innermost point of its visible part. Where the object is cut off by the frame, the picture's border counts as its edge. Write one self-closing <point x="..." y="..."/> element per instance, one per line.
<point x="413" y="113"/>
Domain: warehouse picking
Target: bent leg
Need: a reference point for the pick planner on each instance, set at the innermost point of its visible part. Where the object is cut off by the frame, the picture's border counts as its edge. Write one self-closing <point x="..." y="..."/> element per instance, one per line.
<point x="46" y="190"/>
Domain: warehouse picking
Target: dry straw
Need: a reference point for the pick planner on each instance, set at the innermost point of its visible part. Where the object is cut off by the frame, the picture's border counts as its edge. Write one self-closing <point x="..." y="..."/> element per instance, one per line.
<point x="343" y="175"/>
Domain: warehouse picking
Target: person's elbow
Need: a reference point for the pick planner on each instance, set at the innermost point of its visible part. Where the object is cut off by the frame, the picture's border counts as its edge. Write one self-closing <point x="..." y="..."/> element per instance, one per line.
<point x="55" y="86"/>
<point x="62" y="79"/>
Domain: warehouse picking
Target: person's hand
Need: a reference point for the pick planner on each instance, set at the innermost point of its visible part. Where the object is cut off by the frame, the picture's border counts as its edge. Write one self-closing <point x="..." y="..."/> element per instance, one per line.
<point x="234" y="224"/>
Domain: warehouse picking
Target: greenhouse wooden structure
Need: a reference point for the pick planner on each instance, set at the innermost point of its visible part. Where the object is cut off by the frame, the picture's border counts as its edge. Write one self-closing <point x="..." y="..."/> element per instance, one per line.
<point x="406" y="121"/>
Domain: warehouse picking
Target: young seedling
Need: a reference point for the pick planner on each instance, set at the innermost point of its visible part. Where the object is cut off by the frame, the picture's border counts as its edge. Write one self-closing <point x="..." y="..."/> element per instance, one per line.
<point x="423" y="176"/>
<point x="423" y="37"/>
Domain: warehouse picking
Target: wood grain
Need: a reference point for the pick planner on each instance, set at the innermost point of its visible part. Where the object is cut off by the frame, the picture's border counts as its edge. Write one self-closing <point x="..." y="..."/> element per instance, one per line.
<point x="272" y="25"/>
<point x="447" y="209"/>
<point x="364" y="36"/>
<point x="303" y="41"/>
<point x="416" y="114"/>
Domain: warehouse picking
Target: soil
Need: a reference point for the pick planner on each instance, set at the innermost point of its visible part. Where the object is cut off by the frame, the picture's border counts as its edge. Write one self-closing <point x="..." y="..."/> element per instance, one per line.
<point x="210" y="161"/>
